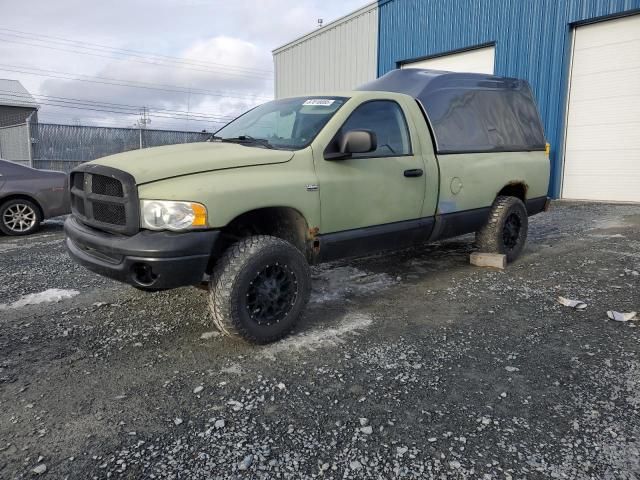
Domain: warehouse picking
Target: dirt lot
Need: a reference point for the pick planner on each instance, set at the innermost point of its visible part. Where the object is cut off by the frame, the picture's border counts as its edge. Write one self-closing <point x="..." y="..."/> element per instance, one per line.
<point x="411" y="365"/>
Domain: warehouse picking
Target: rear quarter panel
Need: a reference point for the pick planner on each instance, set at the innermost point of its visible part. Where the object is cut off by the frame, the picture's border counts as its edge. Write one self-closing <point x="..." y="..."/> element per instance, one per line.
<point x="469" y="181"/>
<point x="48" y="189"/>
<point x="53" y="193"/>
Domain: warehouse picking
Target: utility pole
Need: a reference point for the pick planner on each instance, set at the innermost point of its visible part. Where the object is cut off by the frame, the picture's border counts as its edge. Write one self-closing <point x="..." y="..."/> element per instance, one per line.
<point x="188" y="105"/>
<point x="142" y="124"/>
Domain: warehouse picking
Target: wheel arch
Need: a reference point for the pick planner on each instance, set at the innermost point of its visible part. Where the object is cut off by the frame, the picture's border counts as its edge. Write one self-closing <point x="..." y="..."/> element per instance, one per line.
<point x="284" y="222"/>
<point x="515" y="188"/>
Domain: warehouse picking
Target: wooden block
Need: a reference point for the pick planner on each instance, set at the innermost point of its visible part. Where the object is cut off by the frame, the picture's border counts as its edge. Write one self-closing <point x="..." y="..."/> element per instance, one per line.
<point x="494" y="260"/>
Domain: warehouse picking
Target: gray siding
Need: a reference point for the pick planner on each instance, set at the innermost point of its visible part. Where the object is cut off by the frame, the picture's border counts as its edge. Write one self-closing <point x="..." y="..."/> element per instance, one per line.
<point x="339" y="56"/>
<point x="15" y="115"/>
<point x="14" y="144"/>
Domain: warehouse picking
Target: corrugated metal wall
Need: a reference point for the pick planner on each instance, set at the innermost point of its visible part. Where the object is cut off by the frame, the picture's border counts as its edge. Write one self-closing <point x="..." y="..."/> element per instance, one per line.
<point x="339" y="56"/>
<point x="532" y="38"/>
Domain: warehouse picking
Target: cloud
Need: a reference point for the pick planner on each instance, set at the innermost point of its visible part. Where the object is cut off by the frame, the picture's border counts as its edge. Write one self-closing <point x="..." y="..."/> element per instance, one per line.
<point x="211" y="90"/>
<point x="231" y="43"/>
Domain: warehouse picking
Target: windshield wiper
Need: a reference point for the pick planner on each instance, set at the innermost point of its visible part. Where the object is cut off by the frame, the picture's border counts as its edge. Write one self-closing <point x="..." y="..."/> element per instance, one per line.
<point x="246" y="140"/>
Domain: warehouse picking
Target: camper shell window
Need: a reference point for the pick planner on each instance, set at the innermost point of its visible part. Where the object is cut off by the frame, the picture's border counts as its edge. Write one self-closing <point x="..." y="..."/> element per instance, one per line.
<point x="470" y="112"/>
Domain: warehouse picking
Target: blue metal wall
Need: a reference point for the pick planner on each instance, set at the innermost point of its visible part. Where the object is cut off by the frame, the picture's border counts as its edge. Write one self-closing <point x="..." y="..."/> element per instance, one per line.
<point x="532" y="40"/>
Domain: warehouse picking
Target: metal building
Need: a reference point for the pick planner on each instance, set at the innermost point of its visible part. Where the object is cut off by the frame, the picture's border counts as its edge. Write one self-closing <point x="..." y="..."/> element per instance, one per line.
<point x="581" y="57"/>
<point x="16" y="104"/>
<point x="339" y="56"/>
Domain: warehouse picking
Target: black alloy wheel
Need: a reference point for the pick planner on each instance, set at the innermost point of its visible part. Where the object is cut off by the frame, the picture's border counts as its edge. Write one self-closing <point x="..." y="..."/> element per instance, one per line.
<point x="511" y="231"/>
<point x="272" y="294"/>
<point x="259" y="288"/>
<point x="506" y="228"/>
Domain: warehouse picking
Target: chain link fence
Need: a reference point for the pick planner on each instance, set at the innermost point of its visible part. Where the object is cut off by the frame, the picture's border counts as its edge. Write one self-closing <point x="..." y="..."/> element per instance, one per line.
<point x="63" y="147"/>
<point x="14" y="144"/>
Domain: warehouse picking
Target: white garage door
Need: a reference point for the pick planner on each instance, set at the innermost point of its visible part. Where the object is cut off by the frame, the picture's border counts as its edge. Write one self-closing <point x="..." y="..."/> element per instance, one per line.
<point x="602" y="146"/>
<point x="479" y="60"/>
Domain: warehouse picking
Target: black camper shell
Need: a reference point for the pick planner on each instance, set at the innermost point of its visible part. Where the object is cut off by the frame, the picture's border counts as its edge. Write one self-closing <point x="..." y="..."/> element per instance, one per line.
<point x="470" y="112"/>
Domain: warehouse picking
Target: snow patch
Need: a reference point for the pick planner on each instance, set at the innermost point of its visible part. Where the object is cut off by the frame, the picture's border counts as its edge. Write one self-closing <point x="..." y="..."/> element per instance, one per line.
<point x="50" y="295"/>
<point x="233" y="369"/>
<point x="351" y="324"/>
<point x="608" y="223"/>
<point x="209" y="335"/>
<point x="56" y="221"/>
<point x="332" y="284"/>
<point x="599" y="235"/>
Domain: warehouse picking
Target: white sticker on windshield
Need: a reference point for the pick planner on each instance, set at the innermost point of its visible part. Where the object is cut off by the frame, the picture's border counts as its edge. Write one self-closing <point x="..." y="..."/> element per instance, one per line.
<point x="323" y="102"/>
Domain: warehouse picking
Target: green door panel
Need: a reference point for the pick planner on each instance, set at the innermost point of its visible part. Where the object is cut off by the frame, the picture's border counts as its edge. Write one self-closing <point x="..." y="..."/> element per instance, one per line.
<point x="362" y="192"/>
<point x="370" y="191"/>
<point x="473" y="180"/>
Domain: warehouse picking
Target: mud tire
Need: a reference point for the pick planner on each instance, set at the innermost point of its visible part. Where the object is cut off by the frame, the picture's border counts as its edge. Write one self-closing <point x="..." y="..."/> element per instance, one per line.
<point x="233" y="291"/>
<point x="506" y="229"/>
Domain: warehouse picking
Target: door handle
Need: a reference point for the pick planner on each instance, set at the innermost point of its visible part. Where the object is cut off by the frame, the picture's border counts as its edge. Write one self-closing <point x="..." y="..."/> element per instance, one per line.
<point x="414" y="172"/>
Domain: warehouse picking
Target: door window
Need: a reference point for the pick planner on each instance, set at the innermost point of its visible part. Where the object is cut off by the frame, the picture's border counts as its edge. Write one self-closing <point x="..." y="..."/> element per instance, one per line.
<point x="386" y="119"/>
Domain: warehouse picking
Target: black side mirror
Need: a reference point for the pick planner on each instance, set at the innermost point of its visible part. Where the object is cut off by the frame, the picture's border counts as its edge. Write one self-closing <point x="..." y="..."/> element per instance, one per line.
<point x="354" y="141"/>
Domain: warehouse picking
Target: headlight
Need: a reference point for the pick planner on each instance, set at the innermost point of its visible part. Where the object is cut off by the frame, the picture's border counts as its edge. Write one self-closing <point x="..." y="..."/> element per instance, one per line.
<point x="169" y="215"/>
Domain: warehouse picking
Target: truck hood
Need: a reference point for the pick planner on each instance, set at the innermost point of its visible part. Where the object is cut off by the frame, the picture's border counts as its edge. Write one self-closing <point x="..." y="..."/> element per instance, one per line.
<point x="157" y="163"/>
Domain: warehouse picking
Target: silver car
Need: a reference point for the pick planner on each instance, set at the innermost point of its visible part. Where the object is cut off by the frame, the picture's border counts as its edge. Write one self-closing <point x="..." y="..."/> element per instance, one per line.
<point x="28" y="196"/>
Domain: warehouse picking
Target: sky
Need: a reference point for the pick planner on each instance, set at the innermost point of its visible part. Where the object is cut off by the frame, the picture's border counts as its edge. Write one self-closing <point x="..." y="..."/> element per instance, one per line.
<point x="194" y="64"/>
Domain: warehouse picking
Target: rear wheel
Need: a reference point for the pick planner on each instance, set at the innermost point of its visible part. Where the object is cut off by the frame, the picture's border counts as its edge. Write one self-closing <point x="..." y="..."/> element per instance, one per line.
<point x="19" y="217"/>
<point x="506" y="229"/>
<point x="259" y="289"/>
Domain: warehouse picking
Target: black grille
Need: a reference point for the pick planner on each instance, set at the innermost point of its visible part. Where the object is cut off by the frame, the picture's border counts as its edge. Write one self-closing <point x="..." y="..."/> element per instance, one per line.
<point x="77" y="203"/>
<point x="106" y="186"/>
<point x="105" y="198"/>
<point x="78" y="180"/>
<point x="109" y="213"/>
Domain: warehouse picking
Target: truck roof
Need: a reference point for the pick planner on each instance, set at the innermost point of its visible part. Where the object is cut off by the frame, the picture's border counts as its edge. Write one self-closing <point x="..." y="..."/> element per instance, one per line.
<point x="470" y="112"/>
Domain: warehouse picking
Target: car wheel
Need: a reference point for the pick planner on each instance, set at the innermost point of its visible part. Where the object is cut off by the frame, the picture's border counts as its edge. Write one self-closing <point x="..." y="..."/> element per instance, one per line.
<point x="506" y="229"/>
<point x="259" y="289"/>
<point x="19" y="217"/>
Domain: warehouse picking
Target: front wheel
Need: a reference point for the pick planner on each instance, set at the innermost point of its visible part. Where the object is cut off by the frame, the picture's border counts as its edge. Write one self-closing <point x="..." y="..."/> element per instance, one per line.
<point x="259" y="289"/>
<point x="19" y="217"/>
<point x="506" y="229"/>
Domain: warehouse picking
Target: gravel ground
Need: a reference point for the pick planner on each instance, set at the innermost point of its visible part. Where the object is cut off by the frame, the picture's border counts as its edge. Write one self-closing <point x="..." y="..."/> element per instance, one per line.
<point x="410" y="365"/>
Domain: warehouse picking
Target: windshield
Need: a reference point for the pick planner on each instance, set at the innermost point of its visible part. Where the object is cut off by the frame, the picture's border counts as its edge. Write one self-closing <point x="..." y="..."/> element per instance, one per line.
<point x="290" y="124"/>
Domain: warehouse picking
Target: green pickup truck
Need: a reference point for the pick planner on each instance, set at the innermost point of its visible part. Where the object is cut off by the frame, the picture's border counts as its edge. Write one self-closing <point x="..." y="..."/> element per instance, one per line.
<point x="412" y="157"/>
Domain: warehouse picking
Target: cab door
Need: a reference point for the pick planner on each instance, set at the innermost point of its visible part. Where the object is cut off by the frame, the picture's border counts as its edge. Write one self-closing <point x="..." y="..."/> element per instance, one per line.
<point x="376" y="188"/>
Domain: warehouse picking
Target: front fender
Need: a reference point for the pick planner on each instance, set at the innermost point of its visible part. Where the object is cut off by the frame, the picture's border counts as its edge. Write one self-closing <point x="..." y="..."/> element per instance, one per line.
<point x="232" y="192"/>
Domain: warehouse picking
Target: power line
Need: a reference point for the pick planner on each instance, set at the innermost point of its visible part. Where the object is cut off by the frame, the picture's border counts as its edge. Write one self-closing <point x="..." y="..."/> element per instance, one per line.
<point x="52" y="103"/>
<point x="50" y="47"/>
<point x="131" y="113"/>
<point x="124" y="83"/>
<point x="125" y="51"/>
<point x="107" y="121"/>
<point x="133" y="110"/>
<point x="79" y="101"/>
